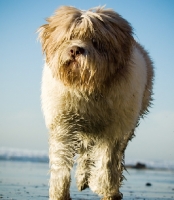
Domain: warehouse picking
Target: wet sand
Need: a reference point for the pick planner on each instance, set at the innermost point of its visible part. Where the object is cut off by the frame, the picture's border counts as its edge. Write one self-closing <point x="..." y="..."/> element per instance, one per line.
<point x="27" y="180"/>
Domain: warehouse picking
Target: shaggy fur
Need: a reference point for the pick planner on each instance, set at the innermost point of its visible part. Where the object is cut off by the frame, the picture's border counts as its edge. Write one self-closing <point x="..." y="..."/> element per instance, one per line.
<point x="97" y="83"/>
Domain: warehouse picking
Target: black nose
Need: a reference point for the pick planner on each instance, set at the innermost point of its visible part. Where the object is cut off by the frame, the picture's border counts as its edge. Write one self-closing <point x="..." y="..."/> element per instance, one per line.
<point x="76" y="51"/>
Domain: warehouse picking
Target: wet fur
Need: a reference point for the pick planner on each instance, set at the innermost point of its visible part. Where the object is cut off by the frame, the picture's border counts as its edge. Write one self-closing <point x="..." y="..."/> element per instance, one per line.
<point x="92" y="102"/>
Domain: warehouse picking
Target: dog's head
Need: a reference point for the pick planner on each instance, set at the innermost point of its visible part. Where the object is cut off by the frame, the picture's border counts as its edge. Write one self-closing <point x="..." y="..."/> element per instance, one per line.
<point x="86" y="49"/>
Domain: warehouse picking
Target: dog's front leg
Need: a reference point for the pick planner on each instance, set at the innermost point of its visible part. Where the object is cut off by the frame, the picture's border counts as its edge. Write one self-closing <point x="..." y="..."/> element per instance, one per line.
<point x="106" y="174"/>
<point x="61" y="154"/>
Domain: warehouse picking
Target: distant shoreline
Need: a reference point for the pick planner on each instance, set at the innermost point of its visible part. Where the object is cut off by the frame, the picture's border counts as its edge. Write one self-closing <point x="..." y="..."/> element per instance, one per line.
<point x="142" y="166"/>
<point x="24" y="155"/>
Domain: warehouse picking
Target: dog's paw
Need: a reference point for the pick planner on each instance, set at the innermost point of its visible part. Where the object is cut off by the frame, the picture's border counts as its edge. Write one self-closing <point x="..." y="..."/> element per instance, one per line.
<point x="116" y="197"/>
<point x="82" y="186"/>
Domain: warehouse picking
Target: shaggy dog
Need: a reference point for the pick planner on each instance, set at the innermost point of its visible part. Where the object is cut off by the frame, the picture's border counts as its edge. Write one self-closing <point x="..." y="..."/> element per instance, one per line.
<point x="96" y="85"/>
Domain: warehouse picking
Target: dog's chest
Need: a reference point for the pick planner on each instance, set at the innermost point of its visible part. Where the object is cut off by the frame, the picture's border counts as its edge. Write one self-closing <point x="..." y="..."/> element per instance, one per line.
<point x="88" y="116"/>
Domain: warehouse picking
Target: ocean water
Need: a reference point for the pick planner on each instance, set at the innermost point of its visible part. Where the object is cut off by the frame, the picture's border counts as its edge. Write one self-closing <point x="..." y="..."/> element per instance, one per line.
<point x="24" y="155"/>
<point x="12" y="154"/>
<point x="24" y="174"/>
<point x="29" y="180"/>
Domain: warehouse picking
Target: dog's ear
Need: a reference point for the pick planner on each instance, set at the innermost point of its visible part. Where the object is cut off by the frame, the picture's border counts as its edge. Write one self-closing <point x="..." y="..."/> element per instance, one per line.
<point x="57" y="29"/>
<point x="116" y="21"/>
<point x="46" y="39"/>
<point x="43" y="36"/>
<point x="120" y="31"/>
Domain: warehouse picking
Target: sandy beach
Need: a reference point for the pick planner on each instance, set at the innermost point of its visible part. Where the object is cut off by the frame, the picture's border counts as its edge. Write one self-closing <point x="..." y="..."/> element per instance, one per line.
<point x="29" y="180"/>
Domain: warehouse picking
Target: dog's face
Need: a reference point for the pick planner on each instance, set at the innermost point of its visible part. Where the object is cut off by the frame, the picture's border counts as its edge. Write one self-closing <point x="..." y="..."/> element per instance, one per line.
<point x="85" y="49"/>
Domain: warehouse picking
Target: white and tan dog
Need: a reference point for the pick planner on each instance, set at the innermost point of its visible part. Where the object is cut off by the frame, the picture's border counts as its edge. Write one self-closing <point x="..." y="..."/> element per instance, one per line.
<point x="96" y="85"/>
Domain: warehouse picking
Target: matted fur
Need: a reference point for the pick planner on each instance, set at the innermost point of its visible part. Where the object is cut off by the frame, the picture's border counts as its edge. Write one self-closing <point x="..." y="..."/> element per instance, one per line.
<point x="97" y="83"/>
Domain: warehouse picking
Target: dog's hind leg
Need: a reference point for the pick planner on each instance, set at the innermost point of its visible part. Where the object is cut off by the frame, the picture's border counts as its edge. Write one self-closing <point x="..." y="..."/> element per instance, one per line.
<point x="83" y="163"/>
<point x="82" y="171"/>
<point x="61" y="155"/>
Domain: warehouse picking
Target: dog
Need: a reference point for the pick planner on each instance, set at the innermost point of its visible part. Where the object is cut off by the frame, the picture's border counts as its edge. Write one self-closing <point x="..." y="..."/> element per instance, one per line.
<point x="97" y="83"/>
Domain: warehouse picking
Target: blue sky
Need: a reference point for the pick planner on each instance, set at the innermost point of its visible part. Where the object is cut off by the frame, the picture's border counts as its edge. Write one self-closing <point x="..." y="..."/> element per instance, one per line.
<point x="21" y="61"/>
